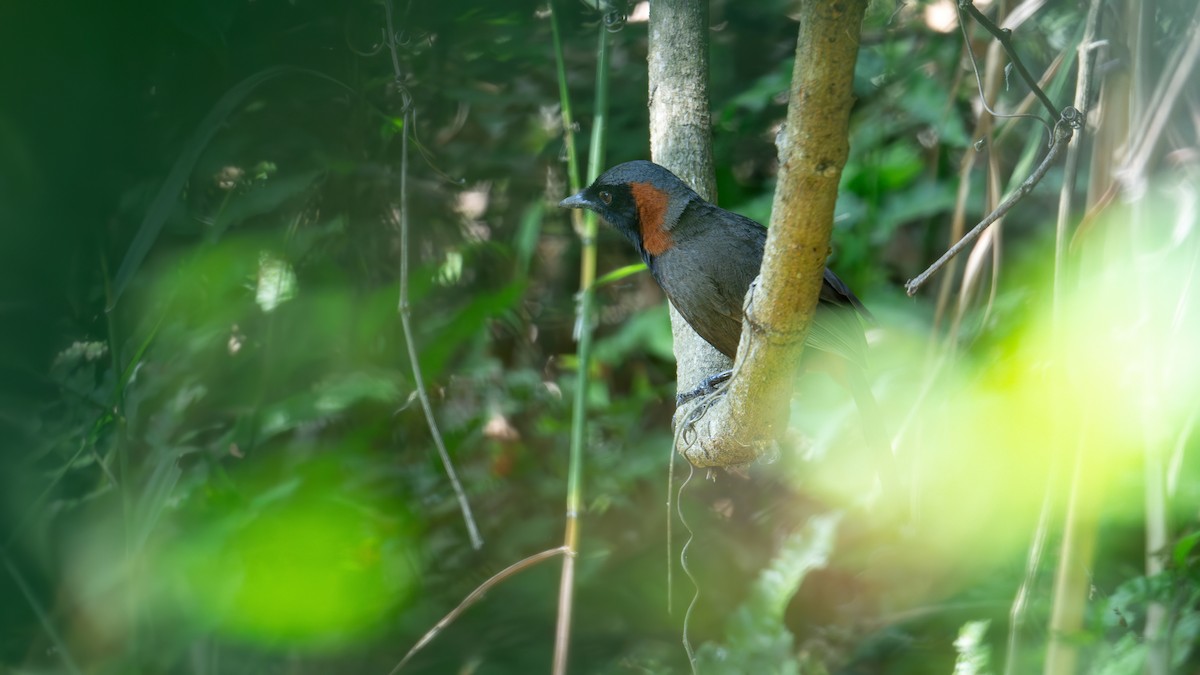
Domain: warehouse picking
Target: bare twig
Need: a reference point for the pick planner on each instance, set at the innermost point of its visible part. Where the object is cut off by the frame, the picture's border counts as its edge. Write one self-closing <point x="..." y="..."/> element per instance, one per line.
<point x="983" y="98"/>
<point x="391" y="39"/>
<point x="1062" y="136"/>
<point x="1006" y="128"/>
<point x="410" y="340"/>
<point x="988" y="242"/>
<point x="988" y="84"/>
<point x="1068" y="119"/>
<point x="1004" y="37"/>
<point x="474" y="597"/>
<point x="1083" y="97"/>
<point x="401" y="218"/>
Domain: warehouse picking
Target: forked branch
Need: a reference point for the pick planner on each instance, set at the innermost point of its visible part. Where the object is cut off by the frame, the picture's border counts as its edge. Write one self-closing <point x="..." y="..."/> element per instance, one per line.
<point x="1069" y="119"/>
<point x="1063" y="132"/>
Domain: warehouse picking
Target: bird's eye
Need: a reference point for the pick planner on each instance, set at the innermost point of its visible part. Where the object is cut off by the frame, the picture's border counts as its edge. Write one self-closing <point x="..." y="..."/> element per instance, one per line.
<point x="606" y="197"/>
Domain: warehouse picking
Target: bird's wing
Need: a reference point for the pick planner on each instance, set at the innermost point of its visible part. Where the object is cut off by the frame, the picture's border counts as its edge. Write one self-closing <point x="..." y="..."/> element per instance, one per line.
<point x="834" y="291"/>
<point x="707" y="279"/>
<point x="708" y="306"/>
<point x="836" y="328"/>
<point x="708" y="286"/>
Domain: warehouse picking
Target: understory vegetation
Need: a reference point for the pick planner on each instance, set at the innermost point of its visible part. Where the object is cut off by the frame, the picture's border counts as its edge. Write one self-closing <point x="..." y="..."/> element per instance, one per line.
<point x="224" y="451"/>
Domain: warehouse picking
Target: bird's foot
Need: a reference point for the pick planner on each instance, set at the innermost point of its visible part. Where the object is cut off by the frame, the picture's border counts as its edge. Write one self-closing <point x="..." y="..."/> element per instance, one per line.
<point x="708" y="385"/>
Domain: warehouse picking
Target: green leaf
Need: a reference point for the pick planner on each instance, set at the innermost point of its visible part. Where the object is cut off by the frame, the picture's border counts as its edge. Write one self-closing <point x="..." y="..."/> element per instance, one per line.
<point x="647" y="332"/>
<point x="1184" y="547"/>
<point x="526" y="238"/>
<point x="620" y="273"/>
<point x="757" y="640"/>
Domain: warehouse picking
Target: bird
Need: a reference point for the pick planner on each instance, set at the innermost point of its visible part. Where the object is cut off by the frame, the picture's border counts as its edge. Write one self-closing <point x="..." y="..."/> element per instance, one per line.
<point x="704" y="258"/>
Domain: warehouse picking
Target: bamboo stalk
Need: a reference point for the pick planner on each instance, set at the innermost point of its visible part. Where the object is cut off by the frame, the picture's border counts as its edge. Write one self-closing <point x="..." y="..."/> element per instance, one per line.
<point x="583" y="335"/>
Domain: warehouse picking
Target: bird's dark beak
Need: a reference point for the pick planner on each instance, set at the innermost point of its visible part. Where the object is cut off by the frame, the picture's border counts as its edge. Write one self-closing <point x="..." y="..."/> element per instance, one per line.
<point x="575" y="201"/>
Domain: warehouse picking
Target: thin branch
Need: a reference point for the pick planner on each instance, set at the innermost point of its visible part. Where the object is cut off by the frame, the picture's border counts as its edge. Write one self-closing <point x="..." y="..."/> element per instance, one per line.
<point x="1026" y="103"/>
<point x="958" y="220"/>
<point x="410" y="340"/>
<point x="391" y="38"/>
<point x="404" y="308"/>
<point x="1083" y="97"/>
<point x="988" y="84"/>
<point x="1004" y="37"/>
<point x="983" y="99"/>
<point x="987" y="242"/>
<point x="474" y="597"/>
<point x="1062" y="136"/>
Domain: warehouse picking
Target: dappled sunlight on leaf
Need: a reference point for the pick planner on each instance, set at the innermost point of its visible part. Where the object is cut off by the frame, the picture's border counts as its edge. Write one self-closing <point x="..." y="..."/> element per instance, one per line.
<point x="276" y="282"/>
<point x="301" y="560"/>
<point x="1115" y="375"/>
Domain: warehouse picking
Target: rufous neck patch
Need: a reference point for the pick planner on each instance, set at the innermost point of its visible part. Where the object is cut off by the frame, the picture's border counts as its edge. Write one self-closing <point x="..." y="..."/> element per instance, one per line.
<point x="652" y="211"/>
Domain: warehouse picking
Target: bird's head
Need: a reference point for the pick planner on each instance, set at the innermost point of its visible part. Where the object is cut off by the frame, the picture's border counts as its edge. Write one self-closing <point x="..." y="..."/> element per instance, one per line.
<point x="641" y="199"/>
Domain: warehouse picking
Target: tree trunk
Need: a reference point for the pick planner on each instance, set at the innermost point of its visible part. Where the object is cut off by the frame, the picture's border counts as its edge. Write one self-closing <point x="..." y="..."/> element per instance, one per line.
<point x="745" y="421"/>
<point x="681" y="140"/>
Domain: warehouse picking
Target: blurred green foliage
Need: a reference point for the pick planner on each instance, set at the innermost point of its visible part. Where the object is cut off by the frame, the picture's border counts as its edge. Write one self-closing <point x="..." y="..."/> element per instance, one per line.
<point x="213" y="458"/>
